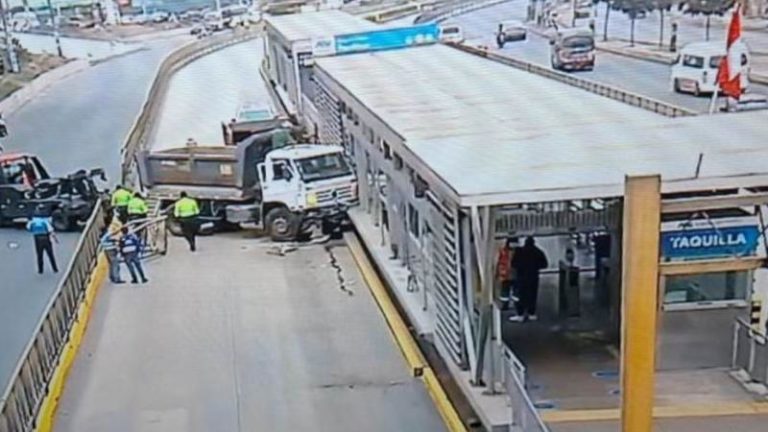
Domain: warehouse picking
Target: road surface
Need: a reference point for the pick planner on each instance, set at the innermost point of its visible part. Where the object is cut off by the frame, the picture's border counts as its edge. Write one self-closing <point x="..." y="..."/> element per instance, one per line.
<point x="639" y="76"/>
<point x="78" y="123"/>
<point x="232" y="338"/>
<point x="209" y="91"/>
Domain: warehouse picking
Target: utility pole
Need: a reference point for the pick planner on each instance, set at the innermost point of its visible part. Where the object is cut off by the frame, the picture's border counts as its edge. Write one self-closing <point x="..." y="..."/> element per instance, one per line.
<point x="55" y="23"/>
<point x="13" y="60"/>
<point x="218" y="5"/>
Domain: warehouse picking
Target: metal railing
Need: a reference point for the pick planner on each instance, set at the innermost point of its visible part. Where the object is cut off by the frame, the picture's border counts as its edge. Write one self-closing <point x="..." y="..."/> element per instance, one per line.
<point x="750" y="352"/>
<point x="523" y="416"/>
<point x="630" y="98"/>
<point x="24" y="395"/>
<point x="456" y="8"/>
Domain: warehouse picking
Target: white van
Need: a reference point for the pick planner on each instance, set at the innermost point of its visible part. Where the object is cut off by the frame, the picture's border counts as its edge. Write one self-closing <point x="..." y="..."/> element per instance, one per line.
<point x="451" y="33"/>
<point x="695" y="68"/>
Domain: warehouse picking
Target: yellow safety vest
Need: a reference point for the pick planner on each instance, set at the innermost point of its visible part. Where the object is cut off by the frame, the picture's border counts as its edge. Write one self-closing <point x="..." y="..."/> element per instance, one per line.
<point x="186" y="207"/>
<point x="121" y="198"/>
<point x="137" y="206"/>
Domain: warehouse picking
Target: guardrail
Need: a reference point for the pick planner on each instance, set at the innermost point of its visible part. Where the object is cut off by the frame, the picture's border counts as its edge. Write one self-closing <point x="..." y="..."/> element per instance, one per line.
<point x="630" y="98"/>
<point x="450" y="11"/>
<point x="142" y="126"/>
<point x="523" y="417"/>
<point x="750" y="352"/>
<point x="24" y="395"/>
<point x="399" y="11"/>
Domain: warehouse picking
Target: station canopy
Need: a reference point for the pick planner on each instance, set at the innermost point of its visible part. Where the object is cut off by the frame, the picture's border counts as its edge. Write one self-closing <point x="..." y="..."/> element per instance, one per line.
<point x="304" y="26"/>
<point x="495" y="135"/>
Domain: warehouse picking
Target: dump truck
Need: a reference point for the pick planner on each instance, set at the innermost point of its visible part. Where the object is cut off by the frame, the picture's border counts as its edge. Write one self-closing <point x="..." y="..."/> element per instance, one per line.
<point x="267" y="180"/>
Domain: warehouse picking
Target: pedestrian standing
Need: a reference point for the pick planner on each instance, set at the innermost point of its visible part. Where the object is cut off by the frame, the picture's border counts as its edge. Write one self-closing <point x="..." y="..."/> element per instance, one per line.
<point x="186" y="211"/>
<point x="120" y="199"/>
<point x="110" y="244"/>
<point x="130" y="248"/>
<point x="42" y="231"/>
<point x="505" y="273"/>
<point x="528" y="262"/>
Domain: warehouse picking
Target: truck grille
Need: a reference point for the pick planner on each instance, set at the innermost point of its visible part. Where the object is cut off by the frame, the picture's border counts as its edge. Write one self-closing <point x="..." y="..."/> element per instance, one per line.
<point x="343" y="194"/>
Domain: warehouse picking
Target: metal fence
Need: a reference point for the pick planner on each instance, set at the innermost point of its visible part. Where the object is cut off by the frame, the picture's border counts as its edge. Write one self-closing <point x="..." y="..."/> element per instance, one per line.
<point x="22" y="398"/>
<point x="524" y="416"/>
<point x="750" y="352"/>
<point x="630" y="98"/>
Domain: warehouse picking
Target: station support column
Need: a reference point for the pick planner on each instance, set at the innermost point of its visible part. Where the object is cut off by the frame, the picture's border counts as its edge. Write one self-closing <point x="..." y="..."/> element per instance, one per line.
<point x="640" y="299"/>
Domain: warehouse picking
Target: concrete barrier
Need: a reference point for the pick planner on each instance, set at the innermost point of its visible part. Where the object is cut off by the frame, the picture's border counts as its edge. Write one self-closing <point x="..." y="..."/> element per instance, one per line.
<point x="630" y="98"/>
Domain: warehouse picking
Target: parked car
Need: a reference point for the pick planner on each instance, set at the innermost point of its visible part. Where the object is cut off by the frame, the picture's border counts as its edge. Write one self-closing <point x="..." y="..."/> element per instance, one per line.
<point x="510" y="31"/>
<point x="695" y="68"/>
<point x="80" y="22"/>
<point x="451" y="33"/>
<point x="573" y="49"/>
<point x="160" y="17"/>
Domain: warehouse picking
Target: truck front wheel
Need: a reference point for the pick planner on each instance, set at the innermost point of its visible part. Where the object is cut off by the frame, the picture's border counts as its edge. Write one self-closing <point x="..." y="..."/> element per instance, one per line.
<point x="282" y="225"/>
<point x="60" y="221"/>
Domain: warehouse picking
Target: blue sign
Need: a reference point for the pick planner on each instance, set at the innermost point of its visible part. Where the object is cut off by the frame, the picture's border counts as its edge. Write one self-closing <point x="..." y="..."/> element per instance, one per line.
<point x="709" y="243"/>
<point x="387" y="39"/>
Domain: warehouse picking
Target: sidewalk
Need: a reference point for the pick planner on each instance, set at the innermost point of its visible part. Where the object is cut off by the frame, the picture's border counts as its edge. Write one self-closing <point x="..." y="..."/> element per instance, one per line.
<point x="755" y="33"/>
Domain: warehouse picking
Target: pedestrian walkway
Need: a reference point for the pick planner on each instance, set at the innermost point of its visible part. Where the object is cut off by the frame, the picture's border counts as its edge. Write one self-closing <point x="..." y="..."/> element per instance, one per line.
<point x="233" y="338"/>
<point x="752" y="423"/>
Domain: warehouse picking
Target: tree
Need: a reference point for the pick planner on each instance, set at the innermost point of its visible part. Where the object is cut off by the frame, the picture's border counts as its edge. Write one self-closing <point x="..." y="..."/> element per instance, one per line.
<point x="707" y="8"/>
<point x="663" y="6"/>
<point x="633" y="9"/>
<point x="607" y="15"/>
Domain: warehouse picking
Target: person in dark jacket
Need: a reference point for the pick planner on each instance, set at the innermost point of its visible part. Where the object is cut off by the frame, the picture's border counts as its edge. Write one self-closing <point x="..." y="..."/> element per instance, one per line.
<point x="528" y="263"/>
<point x="130" y="248"/>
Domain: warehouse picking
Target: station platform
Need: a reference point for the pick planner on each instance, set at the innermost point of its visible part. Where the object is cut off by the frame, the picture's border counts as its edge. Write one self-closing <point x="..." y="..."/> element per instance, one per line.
<point x="234" y="338"/>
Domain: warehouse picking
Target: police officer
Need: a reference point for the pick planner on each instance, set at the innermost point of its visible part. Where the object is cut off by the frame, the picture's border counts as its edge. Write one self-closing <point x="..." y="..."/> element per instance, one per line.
<point x="42" y="231"/>
<point x="120" y="199"/>
<point x="137" y="207"/>
<point x="186" y="211"/>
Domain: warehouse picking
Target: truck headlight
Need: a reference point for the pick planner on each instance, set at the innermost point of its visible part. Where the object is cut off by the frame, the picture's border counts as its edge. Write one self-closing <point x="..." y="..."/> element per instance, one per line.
<point x="311" y="199"/>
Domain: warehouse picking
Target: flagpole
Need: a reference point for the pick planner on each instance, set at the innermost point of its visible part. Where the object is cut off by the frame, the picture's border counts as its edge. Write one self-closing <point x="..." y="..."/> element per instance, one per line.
<point x="713" y="102"/>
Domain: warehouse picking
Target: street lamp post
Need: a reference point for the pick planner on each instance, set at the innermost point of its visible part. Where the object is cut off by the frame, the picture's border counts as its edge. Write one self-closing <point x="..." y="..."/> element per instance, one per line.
<point x="55" y="24"/>
<point x="13" y="60"/>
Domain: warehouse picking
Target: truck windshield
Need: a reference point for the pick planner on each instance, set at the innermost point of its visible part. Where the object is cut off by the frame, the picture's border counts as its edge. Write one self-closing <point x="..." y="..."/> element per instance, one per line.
<point x="323" y="167"/>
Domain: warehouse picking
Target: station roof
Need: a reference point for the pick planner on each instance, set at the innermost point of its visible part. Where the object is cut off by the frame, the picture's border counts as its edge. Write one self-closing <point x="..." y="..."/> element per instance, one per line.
<point x="303" y="26"/>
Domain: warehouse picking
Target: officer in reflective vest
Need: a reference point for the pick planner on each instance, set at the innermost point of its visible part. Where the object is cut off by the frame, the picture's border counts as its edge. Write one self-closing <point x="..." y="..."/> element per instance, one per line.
<point x="137" y="207"/>
<point x="42" y="231"/>
<point x="185" y="211"/>
<point x="120" y="199"/>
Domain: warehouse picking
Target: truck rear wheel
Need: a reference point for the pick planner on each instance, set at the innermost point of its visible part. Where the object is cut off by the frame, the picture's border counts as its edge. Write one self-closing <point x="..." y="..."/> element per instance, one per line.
<point x="282" y="225"/>
<point x="60" y="221"/>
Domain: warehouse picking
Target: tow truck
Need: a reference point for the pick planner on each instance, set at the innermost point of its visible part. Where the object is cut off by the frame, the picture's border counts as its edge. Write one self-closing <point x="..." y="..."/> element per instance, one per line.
<point x="26" y="189"/>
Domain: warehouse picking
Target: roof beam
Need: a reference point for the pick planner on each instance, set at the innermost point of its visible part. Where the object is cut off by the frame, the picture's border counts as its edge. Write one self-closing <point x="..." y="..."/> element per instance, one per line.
<point x="690" y="205"/>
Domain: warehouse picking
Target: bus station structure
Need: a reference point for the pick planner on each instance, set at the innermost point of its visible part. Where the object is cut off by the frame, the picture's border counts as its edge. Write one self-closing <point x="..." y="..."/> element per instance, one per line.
<point x="456" y="154"/>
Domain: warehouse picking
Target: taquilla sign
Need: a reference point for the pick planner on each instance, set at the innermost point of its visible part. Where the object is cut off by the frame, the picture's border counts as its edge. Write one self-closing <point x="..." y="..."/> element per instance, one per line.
<point x="729" y="238"/>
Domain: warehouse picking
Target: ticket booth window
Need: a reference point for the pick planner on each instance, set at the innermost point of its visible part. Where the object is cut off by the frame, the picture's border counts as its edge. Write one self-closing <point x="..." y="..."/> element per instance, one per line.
<point x="708" y="288"/>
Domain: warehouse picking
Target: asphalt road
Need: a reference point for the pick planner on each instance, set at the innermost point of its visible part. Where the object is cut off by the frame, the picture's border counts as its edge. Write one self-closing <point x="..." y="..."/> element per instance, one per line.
<point x="77" y="123"/>
<point x="639" y="76"/>
<point x="232" y="338"/>
<point x="207" y="92"/>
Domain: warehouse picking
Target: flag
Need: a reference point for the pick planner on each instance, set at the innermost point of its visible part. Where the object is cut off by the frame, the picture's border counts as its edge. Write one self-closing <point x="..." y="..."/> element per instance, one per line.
<point x="729" y="70"/>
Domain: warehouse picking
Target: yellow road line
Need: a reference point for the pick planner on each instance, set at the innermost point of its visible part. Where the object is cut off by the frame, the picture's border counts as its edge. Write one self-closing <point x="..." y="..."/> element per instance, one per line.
<point x="672" y="411"/>
<point x="48" y="408"/>
<point x="404" y="339"/>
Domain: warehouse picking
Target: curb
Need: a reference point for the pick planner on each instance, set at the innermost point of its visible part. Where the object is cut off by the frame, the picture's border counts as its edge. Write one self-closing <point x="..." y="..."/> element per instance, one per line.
<point x="410" y="349"/>
<point x="49" y="405"/>
<point x="32" y="89"/>
<point x="117" y="56"/>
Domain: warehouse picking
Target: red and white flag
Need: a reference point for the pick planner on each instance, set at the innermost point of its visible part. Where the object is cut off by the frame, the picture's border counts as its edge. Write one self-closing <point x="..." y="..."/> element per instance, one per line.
<point x="729" y="71"/>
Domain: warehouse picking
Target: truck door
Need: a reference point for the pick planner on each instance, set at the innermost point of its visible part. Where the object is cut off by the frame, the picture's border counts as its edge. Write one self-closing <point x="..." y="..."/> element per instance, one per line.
<point x="282" y="183"/>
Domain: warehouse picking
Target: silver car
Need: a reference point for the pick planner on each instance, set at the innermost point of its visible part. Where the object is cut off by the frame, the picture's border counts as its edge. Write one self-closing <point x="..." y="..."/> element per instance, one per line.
<point x="510" y="31"/>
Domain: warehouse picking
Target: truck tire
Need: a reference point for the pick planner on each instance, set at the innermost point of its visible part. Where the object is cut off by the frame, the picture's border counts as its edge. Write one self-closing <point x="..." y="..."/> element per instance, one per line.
<point x="60" y="221"/>
<point x="282" y="225"/>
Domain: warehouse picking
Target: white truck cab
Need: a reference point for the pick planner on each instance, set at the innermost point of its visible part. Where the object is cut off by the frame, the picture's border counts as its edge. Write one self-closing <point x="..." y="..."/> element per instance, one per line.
<point x="304" y="184"/>
<point x="695" y="68"/>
